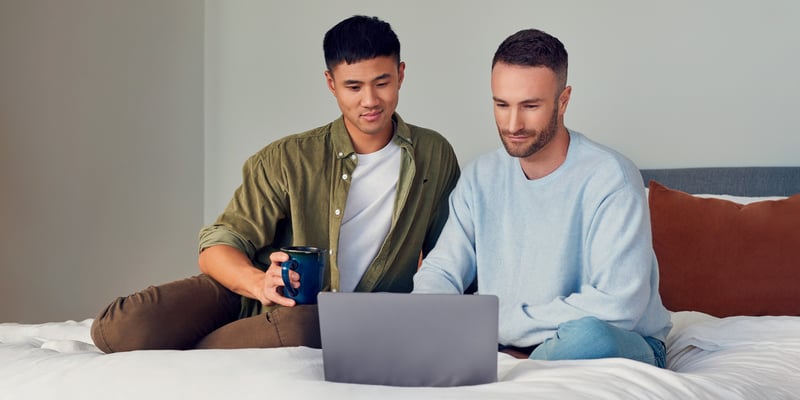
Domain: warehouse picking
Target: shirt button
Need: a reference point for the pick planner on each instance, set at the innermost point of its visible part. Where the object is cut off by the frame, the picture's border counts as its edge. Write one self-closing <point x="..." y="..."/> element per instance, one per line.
<point x="341" y="154"/>
<point x="353" y="157"/>
<point x="338" y="211"/>
<point x="344" y="176"/>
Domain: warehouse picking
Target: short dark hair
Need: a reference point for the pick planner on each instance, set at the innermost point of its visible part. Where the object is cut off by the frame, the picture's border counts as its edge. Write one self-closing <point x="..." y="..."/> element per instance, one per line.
<point x="534" y="48"/>
<point x="359" y="38"/>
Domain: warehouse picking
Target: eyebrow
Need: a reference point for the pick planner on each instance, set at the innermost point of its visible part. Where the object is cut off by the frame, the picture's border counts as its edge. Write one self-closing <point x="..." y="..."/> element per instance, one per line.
<point x="357" y="82"/>
<point x="526" y="101"/>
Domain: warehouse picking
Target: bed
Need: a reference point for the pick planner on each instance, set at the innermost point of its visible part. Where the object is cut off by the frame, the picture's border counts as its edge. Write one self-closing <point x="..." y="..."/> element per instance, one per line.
<point x="736" y="334"/>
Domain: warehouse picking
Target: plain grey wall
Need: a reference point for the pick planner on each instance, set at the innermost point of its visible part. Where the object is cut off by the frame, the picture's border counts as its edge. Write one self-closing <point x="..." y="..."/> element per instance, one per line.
<point x="670" y="83"/>
<point x="101" y="151"/>
<point x="106" y="178"/>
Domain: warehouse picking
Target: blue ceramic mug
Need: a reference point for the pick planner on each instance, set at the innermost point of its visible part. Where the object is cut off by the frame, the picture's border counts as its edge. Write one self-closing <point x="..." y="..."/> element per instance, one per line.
<point x="309" y="262"/>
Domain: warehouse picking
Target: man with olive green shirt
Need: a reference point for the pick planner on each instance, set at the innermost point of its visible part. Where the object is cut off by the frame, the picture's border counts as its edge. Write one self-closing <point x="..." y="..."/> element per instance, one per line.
<point x="369" y="188"/>
<point x="304" y="181"/>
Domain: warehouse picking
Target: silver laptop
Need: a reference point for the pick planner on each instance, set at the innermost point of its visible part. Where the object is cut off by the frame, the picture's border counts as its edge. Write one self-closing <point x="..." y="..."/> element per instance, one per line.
<point x="409" y="339"/>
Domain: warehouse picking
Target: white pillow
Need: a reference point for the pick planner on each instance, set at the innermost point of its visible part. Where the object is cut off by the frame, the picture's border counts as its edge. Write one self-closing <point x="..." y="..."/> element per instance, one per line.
<point x="735" y="199"/>
<point x="739" y="199"/>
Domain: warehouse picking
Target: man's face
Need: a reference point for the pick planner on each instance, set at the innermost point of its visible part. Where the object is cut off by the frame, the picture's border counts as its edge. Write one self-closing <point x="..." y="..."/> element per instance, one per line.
<point x="529" y="107"/>
<point x="367" y="93"/>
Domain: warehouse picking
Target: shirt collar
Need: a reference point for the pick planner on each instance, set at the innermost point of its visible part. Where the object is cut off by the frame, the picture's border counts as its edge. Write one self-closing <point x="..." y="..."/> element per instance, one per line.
<point x="343" y="147"/>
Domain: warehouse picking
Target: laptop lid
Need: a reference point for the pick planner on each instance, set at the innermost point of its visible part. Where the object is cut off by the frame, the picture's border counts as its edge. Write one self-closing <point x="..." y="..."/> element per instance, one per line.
<point x="402" y="339"/>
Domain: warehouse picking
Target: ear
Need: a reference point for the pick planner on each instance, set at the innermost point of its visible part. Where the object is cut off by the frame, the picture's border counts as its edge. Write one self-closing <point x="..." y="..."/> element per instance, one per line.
<point x="401" y="73"/>
<point x="563" y="100"/>
<point x="329" y="82"/>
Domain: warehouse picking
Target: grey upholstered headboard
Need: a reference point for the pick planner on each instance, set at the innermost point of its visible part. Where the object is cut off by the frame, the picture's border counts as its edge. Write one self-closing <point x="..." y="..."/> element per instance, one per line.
<point x="736" y="181"/>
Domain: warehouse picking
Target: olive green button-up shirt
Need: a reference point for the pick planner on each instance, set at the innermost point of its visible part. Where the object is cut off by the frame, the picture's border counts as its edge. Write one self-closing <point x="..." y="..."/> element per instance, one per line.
<point x="294" y="193"/>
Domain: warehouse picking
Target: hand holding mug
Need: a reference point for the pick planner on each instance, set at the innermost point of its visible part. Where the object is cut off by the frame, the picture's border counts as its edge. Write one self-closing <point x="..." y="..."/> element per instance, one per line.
<point x="273" y="284"/>
<point x="305" y="266"/>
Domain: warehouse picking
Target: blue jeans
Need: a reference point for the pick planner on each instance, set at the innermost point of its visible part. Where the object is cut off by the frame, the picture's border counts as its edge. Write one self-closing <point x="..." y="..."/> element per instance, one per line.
<point x="589" y="337"/>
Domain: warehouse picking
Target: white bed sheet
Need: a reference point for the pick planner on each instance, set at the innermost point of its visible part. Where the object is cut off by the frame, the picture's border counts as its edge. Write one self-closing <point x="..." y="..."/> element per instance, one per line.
<point x="708" y="358"/>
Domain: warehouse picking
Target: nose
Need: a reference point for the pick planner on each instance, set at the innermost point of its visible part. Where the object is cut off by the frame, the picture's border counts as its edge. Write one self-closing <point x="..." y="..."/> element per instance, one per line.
<point x="370" y="98"/>
<point x="515" y="123"/>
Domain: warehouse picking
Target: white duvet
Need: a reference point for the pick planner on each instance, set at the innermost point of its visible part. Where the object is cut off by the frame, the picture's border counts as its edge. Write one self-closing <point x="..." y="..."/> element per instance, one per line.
<point x="708" y="358"/>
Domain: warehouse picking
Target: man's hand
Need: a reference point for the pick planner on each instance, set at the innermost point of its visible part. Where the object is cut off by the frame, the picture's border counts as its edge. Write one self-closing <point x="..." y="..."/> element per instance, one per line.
<point x="272" y="285"/>
<point x="231" y="267"/>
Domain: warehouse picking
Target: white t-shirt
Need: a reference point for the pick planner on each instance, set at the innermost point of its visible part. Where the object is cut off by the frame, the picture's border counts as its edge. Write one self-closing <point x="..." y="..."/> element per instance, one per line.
<point x="368" y="213"/>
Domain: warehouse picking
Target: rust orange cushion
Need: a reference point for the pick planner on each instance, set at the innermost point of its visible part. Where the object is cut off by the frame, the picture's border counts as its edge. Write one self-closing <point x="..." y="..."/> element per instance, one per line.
<point x="724" y="258"/>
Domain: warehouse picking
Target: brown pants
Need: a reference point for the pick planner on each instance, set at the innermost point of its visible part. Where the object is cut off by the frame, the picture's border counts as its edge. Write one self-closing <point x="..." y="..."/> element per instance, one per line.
<point x="198" y="312"/>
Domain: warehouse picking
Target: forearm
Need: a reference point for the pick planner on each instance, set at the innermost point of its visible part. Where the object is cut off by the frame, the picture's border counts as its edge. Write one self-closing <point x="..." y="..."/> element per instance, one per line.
<point x="231" y="267"/>
<point x="450" y="266"/>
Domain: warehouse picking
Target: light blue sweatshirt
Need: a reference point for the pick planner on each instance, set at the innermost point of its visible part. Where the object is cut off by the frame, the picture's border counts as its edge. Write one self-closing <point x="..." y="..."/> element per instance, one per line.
<point x="574" y="243"/>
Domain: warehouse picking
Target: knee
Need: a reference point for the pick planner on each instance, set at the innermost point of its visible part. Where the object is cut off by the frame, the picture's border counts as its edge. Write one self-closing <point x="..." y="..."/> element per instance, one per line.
<point x="597" y="337"/>
<point x="119" y="328"/>
<point x="588" y="328"/>
<point x="584" y="338"/>
<point x="100" y="326"/>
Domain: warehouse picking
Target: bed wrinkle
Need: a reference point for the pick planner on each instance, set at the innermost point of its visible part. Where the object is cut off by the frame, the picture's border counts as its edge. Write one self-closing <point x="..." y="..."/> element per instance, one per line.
<point x="722" y="333"/>
<point x="69" y="346"/>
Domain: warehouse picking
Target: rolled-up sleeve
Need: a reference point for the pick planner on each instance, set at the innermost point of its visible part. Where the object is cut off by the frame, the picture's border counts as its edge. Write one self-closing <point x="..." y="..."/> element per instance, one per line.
<point x="250" y="219"/>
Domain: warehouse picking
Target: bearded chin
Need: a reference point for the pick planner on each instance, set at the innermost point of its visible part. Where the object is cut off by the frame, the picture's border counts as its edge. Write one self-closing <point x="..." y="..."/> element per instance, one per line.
<point x="543" y="137"/>
<point x="524" y="150"/>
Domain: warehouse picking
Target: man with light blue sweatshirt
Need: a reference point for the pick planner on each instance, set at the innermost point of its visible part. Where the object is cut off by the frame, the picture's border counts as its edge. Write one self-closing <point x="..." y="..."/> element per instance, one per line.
<point x="555" y="225"/>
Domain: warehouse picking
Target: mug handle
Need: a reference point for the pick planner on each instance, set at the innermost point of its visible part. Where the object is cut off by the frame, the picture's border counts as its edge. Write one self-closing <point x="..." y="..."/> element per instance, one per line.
<point x="287" y="284"/>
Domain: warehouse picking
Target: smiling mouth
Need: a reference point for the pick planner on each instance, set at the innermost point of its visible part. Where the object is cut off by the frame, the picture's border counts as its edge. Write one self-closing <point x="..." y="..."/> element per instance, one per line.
<point x="372" y="116"/>
<point x="516" y="137"/>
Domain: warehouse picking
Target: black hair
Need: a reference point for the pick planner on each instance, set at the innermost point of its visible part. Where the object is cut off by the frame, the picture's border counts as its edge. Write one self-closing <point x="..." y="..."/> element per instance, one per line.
<point x="359" y="38"/>
<point x="534" y="48"/>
